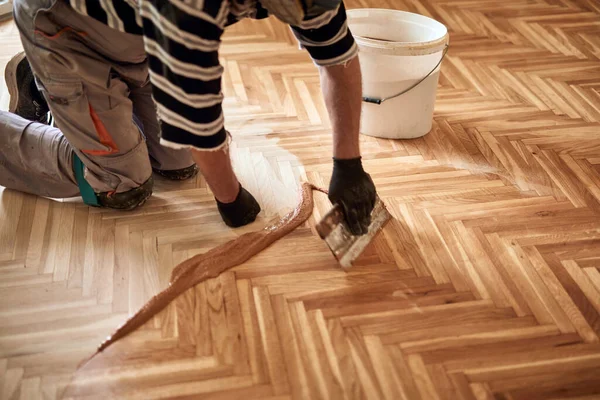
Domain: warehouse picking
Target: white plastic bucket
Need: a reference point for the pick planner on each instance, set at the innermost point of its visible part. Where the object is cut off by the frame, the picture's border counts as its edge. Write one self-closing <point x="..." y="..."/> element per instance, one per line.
<point x="400" y="57"/>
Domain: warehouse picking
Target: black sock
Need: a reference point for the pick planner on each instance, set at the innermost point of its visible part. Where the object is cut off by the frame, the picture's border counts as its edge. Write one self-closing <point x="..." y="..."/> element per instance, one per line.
<point x="242" y="211"/>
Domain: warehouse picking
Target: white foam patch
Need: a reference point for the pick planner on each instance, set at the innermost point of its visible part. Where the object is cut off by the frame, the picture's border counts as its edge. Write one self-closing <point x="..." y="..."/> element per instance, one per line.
<point x="272" y="182"/>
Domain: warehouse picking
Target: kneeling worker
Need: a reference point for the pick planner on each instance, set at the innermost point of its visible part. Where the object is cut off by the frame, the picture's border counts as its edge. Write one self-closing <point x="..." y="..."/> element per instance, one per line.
<point x="135" y="87"/>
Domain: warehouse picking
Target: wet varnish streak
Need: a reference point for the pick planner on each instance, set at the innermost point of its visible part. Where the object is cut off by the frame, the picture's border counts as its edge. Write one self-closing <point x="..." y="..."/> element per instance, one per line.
<point x="212" y="263"/>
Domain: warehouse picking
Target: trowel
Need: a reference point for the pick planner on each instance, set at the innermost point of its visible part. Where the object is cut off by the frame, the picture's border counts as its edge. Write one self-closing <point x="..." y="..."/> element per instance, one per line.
<point x="345" y="246"/>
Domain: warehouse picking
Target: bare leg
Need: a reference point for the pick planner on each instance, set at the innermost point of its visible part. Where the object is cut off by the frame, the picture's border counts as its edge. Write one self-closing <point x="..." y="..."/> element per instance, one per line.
<point x="342" y="89"/>
<point x="236" y="205"/>
<point x="218" y="172"/>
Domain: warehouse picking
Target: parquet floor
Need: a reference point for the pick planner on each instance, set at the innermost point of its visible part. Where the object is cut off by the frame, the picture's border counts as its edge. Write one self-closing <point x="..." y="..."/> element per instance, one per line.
<point x="485" y="286"/>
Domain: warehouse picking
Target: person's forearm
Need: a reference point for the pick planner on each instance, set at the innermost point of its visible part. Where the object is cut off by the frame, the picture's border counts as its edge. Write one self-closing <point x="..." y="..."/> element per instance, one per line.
<point x="342" y="90"/>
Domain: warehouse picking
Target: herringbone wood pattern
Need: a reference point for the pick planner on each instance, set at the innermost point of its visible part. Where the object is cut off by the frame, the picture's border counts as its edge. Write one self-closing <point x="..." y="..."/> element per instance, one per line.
<point x="486" y="285"/>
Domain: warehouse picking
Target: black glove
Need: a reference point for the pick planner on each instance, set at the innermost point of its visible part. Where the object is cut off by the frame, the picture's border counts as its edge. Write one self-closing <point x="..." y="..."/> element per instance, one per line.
<point x="353" y="189"/>
<point x="242" y="211"/>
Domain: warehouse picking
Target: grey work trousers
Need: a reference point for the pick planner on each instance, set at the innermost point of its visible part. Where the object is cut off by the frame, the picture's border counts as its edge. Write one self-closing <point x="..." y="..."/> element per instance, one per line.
<point x="95" y="80"/>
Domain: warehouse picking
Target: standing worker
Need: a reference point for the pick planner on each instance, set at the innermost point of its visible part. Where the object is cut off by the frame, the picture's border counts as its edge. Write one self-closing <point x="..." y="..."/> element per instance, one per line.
<point x="93" y="62"/>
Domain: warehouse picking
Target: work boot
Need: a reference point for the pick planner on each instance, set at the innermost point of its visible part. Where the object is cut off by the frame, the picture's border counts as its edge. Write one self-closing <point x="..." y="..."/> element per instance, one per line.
<point x="178" y="174"/>
<point x="25" y="99"/>
<point x="126" y="200"/>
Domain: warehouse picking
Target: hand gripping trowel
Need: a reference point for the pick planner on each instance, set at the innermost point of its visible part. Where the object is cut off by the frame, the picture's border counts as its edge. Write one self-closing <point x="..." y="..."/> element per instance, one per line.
<point x="345" y="246"/>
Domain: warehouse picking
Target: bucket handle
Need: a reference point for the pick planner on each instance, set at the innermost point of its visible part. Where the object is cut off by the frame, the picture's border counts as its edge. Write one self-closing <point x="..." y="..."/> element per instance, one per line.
<point x="376" y="100"/>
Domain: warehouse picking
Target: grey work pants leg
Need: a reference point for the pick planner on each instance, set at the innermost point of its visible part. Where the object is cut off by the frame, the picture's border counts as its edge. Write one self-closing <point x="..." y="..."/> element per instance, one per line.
<point x="35" y="158"/>
<point x="93" y="78"/>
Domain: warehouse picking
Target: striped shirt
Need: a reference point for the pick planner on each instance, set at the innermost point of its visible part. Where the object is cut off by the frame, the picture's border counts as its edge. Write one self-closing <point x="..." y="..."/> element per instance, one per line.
<point x="182" y="40"/>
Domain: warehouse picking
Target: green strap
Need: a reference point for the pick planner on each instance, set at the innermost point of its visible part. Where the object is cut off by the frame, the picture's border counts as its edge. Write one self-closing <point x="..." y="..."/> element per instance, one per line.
<point x="87" y="193"/>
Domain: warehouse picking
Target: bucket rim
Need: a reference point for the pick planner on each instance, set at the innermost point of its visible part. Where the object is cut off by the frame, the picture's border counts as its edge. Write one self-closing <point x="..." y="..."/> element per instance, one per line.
<point x="409" y="48"/>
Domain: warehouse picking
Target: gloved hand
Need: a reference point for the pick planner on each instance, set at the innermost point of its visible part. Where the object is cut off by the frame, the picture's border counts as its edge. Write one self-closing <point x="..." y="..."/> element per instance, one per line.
<point x="242" y="211"/>
<point x="353" y="189"/>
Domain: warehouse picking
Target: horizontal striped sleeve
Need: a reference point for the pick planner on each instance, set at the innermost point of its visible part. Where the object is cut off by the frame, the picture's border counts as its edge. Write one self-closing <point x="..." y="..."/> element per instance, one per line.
<point x="173" y="32"/>
<point x="187" y="85"/>
<point x="182" y="43"/>
<point x="91" y="9"/>
<point x="127" y="14"/>
<point x="118" y="14"/>
<point x="327" y="37"/>
<point x="180" y="138"/>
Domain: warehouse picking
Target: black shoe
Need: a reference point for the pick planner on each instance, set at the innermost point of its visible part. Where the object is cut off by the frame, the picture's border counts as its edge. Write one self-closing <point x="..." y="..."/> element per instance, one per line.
<point x="127" y="200"/>
<point x="178" y="174"/>
<point x="25" y="99"/>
